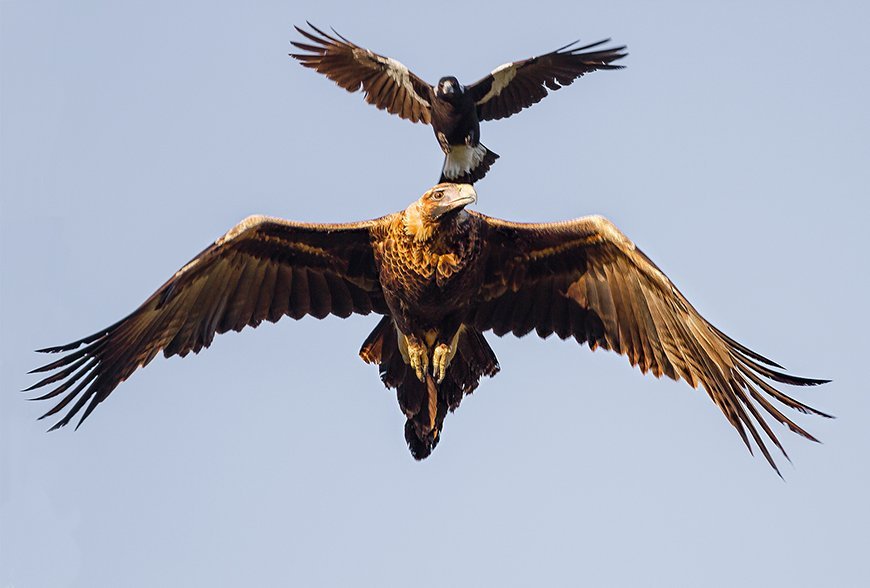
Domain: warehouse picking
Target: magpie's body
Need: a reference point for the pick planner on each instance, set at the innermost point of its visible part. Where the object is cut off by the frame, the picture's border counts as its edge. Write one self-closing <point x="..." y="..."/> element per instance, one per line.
<point x="457" y="128"/>
<point x="453" y="114"/>
<point x="453" y="110"/>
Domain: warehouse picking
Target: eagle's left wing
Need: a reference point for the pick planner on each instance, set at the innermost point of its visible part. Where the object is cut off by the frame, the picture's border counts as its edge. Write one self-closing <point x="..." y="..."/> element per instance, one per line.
<point x="514" y="86"/>
<point x="584" y="278"/>
<point x="262" y="269"/>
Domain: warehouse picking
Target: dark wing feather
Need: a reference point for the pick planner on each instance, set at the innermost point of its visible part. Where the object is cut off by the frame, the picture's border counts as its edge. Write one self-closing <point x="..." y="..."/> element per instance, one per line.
<point x="388" y="84"/>
<point x="587" y="280"/>
<point x="514" y="86"/>
<point x="262" y="269"/>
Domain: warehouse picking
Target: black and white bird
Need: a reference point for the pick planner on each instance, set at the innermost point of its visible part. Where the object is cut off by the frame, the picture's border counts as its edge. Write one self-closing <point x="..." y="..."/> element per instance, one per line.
<point x="453" y="110"/>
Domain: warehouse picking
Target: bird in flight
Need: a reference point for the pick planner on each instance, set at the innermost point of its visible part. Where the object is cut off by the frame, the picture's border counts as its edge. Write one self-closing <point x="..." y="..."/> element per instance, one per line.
<point x="453" y="110"/>
<point x="440" y="276"/>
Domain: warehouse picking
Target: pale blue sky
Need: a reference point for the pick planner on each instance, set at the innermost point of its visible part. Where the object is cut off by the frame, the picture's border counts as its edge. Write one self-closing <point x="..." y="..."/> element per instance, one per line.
<point x="733" y="149"/>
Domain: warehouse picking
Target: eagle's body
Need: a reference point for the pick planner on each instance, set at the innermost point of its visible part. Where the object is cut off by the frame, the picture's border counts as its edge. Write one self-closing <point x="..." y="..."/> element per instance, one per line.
<point x="425" y="276"/>
<point x="426" y="270"/>
<point x="453" y="110"/>
<point x="441" y="277"/>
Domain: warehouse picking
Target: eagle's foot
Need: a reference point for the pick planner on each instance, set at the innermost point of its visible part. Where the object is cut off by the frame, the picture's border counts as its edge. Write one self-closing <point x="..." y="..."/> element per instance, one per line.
<point x="441" y="358"/>
<point x="418" y="359"/>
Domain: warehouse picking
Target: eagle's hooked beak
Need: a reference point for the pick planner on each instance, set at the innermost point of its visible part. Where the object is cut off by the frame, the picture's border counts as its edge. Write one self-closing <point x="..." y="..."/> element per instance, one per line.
<point x="455" y="197"/>
<point x="466" y="194"/>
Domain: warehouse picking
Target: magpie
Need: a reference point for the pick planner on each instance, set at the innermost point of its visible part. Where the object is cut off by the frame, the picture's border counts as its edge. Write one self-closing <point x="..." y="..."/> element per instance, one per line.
<point x="453" y="110"/>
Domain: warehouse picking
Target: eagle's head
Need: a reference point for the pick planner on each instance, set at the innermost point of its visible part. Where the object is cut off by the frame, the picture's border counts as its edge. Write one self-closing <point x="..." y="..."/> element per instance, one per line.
<point x="449" y="88"/>
<point x="443" y="203"/>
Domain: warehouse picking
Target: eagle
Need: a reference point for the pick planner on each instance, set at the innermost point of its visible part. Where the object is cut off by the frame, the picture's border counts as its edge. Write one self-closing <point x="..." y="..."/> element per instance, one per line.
<point x="453" y="110"/>
<point x="440" y="276"/>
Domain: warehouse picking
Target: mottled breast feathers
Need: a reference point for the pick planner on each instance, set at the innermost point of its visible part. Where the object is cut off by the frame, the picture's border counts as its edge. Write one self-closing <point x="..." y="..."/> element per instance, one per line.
<point x="413" y="256"/>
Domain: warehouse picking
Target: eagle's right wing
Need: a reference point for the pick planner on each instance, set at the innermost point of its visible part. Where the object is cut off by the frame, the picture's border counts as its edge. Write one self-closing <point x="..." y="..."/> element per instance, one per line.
<point x="262" y="269"/>
<point x="388" y="84"/>
<point x="585" y="279"/>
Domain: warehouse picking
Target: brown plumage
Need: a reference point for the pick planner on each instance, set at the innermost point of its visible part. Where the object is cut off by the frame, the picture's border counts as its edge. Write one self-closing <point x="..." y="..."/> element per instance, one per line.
<point x="441" y="276"/>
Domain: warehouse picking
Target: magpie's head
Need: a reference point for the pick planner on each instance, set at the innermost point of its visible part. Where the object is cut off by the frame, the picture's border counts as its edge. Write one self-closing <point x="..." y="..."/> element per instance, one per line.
<point x="448" y="88"/>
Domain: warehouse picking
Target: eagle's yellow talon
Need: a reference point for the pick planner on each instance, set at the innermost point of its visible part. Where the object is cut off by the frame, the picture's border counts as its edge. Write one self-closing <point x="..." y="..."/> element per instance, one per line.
<point x="419" y="360"/>
<point x="441" y="357"/>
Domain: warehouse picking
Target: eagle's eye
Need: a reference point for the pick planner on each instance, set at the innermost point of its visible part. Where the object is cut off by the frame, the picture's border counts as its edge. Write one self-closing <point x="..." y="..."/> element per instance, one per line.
<point x="437" y="195"/>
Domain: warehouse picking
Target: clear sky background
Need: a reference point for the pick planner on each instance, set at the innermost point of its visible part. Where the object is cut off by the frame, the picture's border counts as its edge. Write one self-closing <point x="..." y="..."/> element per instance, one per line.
<point x="733" y="149"/>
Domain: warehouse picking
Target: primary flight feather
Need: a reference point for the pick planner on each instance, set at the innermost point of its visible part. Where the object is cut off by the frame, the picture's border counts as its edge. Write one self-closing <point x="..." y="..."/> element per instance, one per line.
<point x="453" y="110"/>
<point x="440" y="276"/>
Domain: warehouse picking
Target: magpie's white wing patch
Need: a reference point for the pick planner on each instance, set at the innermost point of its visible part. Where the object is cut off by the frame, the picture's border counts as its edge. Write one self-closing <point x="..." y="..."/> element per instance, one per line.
<point x="401" y="75"/>
<point x="518" y="85"/>
<point x="501" y="77"/>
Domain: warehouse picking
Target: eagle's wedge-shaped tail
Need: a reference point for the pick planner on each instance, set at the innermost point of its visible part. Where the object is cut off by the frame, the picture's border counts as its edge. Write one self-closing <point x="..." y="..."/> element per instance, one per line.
<point x="425" y="404"/>
<point x="465" y="164"/>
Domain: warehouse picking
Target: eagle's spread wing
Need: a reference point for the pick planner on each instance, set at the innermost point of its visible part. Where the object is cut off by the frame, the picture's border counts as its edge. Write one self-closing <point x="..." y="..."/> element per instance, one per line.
<point x="514" y="86"/>
<point x="388" y="84"/>
<point x="263" y="268"/>
<point x="584" y="278"/>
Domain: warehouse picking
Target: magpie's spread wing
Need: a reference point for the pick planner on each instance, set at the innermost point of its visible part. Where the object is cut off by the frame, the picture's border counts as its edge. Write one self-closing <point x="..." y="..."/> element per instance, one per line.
<point x="387" y="84"/>
<point x="586" y="279"/>
<point x="514" y="86"/>
<point x="262" y="269"/>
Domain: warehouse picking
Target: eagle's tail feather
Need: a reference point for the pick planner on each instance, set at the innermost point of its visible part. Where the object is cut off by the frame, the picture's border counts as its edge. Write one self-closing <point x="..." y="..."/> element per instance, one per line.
<point x="425" y="404"/>
<point x="466" y="165"/>
<point x="382" y="339"/>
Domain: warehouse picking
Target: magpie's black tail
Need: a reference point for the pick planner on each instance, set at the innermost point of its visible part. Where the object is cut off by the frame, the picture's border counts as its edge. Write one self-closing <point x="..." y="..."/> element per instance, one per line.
<point x="466" y="165"/>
